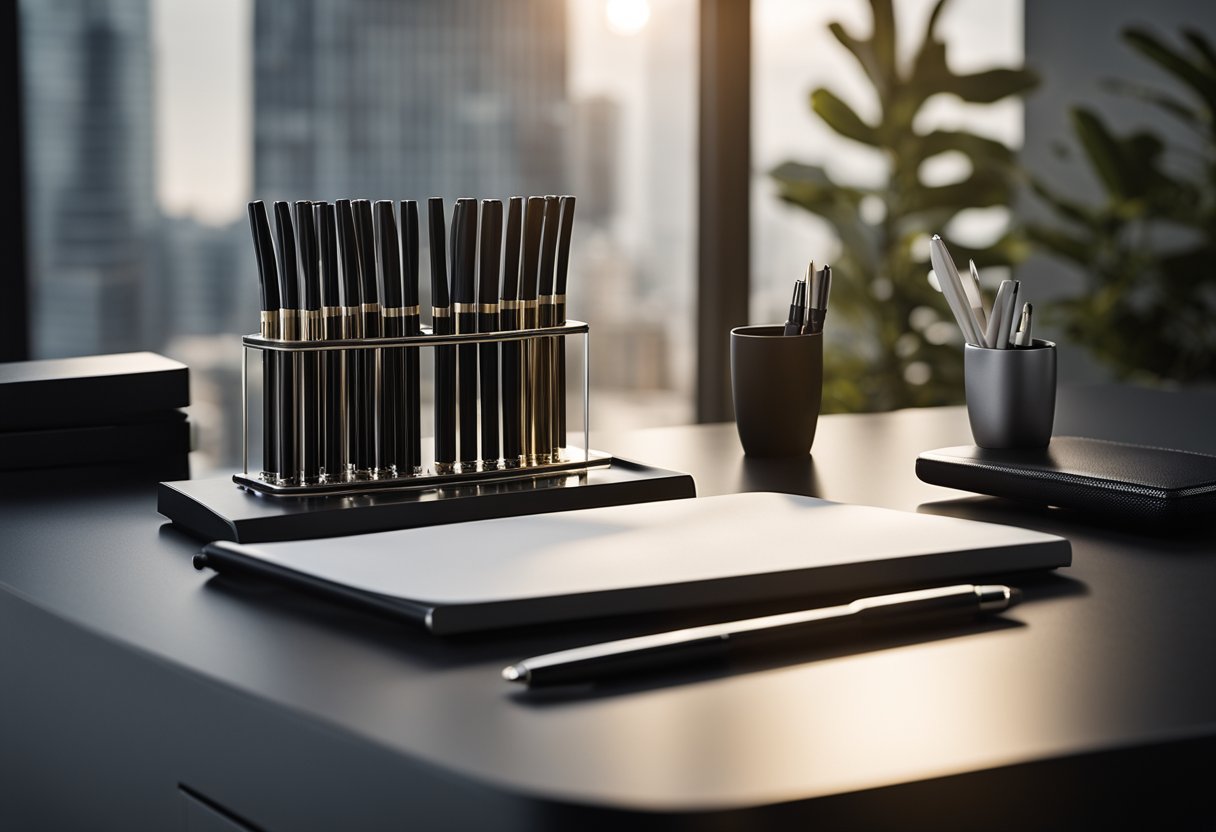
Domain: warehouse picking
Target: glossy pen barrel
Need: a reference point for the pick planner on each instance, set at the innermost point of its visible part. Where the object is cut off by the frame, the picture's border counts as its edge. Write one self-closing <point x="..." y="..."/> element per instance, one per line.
<point x="527" y="386"/>
<point x="559" y="377"/>
<point x="487" y="321"/>
<point x="512" y="423"/>
<point x="309" y="385"/>
<point x="411" y="454"/>
<point x="466" y="321"/>
<point x="352" y="393"/>
<point x="368" y="462"/>
<point x="333" y="451"/>
<point x="270" y="393"/>
<point x="544" y="385"/>
<point x="285" y="410"/>
<point x="392" y="396"/>
<point x="445" y="395"/>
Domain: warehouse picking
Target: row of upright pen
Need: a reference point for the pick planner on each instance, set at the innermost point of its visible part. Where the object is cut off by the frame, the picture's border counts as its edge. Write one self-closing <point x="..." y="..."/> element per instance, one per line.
<point x="348" y="271"/>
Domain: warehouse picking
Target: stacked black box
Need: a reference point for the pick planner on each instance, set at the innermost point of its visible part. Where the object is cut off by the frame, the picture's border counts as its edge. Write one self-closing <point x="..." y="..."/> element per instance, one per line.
<point x="94" y="417"/>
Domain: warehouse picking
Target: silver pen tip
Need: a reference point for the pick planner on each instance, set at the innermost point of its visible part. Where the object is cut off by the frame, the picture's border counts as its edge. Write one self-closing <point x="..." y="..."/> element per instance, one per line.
<point x="995" y="597"/>
<point x="810" y="272"/>
<point x="511" y="673"/>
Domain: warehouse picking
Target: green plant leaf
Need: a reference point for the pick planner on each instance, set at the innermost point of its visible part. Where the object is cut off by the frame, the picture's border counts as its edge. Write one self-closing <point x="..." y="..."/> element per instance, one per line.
<point x="931" y="23"/>
<point x="981" y="150"/>
<point x="1151" y="47"/>
<point x="841" y="117"/>
<point x="883" y="37"/>
<point x="1069" y="209"/>
<point x="1104" y="152"/>
<point x="1161" y="100"/>
<point x="992" y="85"/>
<point x="1061" y="244"/>
<point x="863" y="51"/>
<point x="1201" y="45"/>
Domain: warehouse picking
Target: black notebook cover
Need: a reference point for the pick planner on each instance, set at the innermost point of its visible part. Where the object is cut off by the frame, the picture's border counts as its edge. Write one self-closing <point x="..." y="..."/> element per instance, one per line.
<point x="93" y="390"/>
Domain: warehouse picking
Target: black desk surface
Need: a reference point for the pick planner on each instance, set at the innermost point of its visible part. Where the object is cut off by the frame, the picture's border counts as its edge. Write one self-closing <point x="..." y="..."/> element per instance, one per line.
<point x="135" y="674"/>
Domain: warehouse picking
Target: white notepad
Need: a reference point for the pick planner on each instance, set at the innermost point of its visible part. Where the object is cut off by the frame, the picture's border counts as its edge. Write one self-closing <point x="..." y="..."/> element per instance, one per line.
<point x="643" y="558"/>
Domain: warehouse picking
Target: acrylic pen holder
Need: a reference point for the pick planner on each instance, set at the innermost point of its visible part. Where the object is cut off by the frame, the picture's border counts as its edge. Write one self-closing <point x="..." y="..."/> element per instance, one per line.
<point x="344" y="416"/>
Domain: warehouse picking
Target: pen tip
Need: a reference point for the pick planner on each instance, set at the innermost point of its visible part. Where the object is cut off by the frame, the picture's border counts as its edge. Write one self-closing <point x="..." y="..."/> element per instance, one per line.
<point x="1015" y="595"/>
<point x="511" y="673"/>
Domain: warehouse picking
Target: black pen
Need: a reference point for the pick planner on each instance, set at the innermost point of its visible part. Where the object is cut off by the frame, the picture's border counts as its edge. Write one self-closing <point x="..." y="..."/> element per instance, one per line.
<point x="268" y="280"/>
<point x="392" y="366"/>
<point x="508" y="319"/>
<point x="544" y="389"/>
<point x="820" y="283"/>
<point x="308" y="365"/>
<point x="565" y="231"/>
<point x="534" y="220"/>
<point x="487" y="321"/>
<point x="464" y="304"/>
<point x="333" y="452"/>
<point x="352" y="328"/>
<point x="369" y="463"/>
<point x="632" y="655"/>
<point x="793" y="323"/>
<point x="289" y="318"/>
<point x="412" y="453"/>
<point x="445" y="358"/>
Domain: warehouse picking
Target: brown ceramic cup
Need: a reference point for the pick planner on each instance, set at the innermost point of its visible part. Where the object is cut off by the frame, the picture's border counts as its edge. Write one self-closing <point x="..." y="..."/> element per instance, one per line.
<point x="777" y="381"/>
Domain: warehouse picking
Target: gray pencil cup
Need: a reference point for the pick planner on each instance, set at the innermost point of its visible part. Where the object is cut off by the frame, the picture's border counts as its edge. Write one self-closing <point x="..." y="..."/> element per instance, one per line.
<point x="1011" y="394"/>
<point x="777" y="382"/>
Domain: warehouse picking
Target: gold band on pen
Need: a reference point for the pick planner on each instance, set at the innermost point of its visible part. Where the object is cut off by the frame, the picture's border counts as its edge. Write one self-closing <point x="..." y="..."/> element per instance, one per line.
<point x="487" y="308"/>
<point x="370" y="307"/>
<point x="333" y="311"/>
<point x="269" y="323"/>
<point x="312" y="325"/>
<point x="527" y="304"/>
<point x="548" y="300"/>
<point x="393" y="311"/>
<point x="508" y="304"/>
<point x="441" y="312"/>
<point x="411" y="310"/>
<point x="289" y="324"/>
<point x="464" y="308"/>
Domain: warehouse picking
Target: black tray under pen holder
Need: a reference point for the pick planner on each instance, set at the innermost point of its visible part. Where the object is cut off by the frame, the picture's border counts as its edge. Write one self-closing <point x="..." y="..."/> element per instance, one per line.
<point x="255" y="506"/>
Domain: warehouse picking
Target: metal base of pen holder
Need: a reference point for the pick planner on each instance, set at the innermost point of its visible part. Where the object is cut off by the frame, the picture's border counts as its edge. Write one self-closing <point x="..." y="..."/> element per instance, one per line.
<point x="327" y="403"/>
<point x="538" y="480"/>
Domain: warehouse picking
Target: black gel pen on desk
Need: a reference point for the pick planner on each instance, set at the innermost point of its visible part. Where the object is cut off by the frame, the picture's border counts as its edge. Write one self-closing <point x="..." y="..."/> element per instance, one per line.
<point x="509" y="319"/>
<point x="544" y="387"/>
<point x="263" y="249"/>
<point x="412" y="453"/>
<point x="445" y="359"/>
<point x="392" y="365"/>
<point x="487" y="321"/>
<point x="661" y="650"/>
<point x="464" y="304"/>
<point x="308" y="366"/>
<point x="817" y="302"/>
<point x="565" y="231"/>
<point x="352" y="328"/>
<point x="289" y="316"/>
<point x="333" y="446"/>
<point x="369" y="463"/>
<point x="534" y="221"/>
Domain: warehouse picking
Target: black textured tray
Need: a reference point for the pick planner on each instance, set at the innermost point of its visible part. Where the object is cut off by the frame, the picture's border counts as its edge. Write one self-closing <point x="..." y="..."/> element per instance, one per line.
<point x="217" y="509"/>
<point x="1136" y="483"/>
